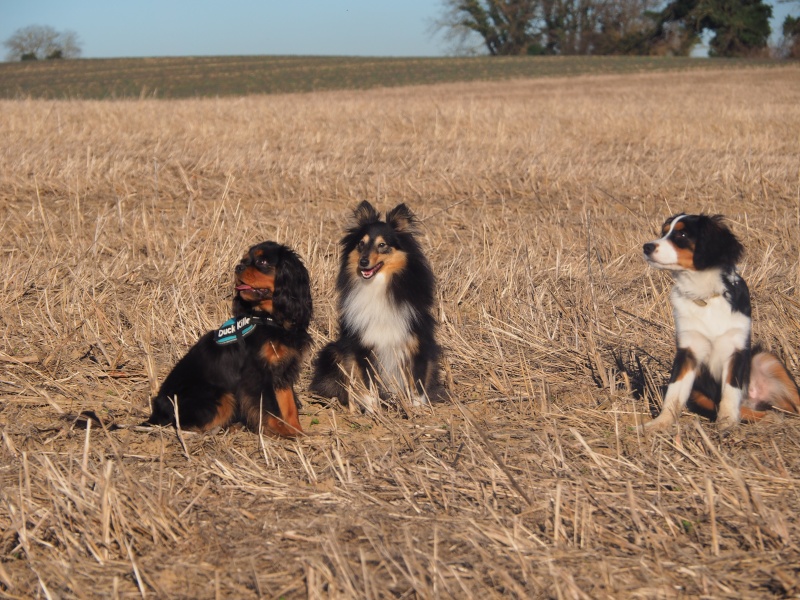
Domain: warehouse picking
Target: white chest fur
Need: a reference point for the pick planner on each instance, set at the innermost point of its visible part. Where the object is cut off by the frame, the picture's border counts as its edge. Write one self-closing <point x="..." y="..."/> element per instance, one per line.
<point x="713" y="320"/>
<point x="705" y="321"/>
<point x="383" y="326"/>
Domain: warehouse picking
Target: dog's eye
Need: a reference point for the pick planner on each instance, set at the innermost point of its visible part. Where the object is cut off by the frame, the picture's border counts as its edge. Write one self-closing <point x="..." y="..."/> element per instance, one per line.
<point x="360" y="246"/>
<point x="382" y="246"/>
<point x="262" y="262"/>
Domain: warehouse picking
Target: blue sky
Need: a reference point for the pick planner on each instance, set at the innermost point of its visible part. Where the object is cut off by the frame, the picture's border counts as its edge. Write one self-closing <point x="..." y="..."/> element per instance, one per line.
<point x="114" y="28"/>
<point x="118" y="28"/>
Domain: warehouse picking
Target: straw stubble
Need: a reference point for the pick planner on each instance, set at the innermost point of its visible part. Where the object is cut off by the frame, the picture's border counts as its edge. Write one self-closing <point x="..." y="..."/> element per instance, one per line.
<point x="122" y="220"/>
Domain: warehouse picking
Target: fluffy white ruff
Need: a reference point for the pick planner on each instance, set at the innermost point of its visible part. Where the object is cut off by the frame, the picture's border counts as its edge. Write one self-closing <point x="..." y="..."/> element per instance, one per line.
<point x="383" y="326"/>
<point x="699" y="284"/>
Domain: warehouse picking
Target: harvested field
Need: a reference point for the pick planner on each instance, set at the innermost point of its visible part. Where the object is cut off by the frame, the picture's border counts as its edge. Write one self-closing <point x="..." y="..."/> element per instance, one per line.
<point x="121" y="221"/>
<point x="215" y="76"/>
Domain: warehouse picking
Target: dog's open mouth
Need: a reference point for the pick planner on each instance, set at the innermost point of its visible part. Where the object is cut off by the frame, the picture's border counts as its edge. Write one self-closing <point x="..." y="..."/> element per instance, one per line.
<point x="369" y="273"/>
<point x="258" y="292"/>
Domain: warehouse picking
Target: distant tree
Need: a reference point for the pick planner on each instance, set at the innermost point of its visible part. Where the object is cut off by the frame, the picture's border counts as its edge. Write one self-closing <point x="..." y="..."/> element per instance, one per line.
<point x="621" y="24"/>
<point x="596" y="26"/>
<point x="42" y="42"/>
<point x="512" y="27"/>
<point x="505" y="26"/>
<point x="740" y="27"/>
<point x="791" y="37"/>
<point x="568" y="26"/>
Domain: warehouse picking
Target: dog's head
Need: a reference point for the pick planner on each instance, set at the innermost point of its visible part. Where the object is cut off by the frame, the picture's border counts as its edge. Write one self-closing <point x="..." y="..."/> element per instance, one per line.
<point x="693" y="243"/>
<point x="373" y="248"/>
<point x="272" y="279"/>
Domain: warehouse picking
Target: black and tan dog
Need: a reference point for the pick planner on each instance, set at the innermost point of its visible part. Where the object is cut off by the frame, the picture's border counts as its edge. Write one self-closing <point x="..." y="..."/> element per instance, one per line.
<point x="246" y="370"/>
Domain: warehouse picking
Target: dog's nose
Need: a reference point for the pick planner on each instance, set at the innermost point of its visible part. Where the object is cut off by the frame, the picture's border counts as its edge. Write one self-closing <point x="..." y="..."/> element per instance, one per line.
<point x="364" y="262"/>
<point x="649" y="248"/>
<point x="240" y="267"/>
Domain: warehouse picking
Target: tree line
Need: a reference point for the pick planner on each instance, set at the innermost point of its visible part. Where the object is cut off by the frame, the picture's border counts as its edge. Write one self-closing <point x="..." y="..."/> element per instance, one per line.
<point x="739" y="28"/>
<point x="39" y="42"/>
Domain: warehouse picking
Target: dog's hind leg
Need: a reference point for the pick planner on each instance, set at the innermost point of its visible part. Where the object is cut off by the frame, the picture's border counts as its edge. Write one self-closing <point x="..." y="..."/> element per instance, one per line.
<point x="198" y="409"/>
<point x="701" y="402"/>
<point x="425" y="375"/>
<point x="748" y="415"/>
<point x="162" y="411"/>
<point x="330" y="376"/>
<point x="359" y="386"/>
<point x="225" y="412"/>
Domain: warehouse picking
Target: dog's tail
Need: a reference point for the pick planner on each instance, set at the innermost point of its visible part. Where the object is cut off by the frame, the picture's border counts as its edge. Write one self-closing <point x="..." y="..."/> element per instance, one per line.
<point x="771" y="387"/>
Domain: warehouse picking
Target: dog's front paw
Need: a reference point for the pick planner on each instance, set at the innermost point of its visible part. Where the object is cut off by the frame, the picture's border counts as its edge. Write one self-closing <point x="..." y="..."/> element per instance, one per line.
<point x="368" y="403"/>
<point x="728" y="416"/>
<point x="657" y="424"/>
<point x="419" y="400"/>
<point x="725" y="424"/>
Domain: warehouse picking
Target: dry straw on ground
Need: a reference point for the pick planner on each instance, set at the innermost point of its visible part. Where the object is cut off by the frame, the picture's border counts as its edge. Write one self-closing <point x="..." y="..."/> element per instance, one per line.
<point x="120" y="224"/>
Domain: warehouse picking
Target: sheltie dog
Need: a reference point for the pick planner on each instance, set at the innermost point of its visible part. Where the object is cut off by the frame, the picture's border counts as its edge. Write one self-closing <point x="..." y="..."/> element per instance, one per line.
<point x="246" y="370"/>
<point x="714" y="371"/>
<point x="386" y="342"/>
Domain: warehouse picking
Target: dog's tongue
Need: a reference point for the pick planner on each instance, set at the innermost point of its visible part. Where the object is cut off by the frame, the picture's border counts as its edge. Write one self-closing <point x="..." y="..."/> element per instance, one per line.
<point x="368" y="273"/>
<point x="260" y="293"/>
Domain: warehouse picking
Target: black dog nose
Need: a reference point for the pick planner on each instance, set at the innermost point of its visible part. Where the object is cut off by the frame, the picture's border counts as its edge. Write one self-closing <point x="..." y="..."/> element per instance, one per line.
<point x="364" y="262"/>
<point x="649" y="248"/>
<point x="240" y="267"/>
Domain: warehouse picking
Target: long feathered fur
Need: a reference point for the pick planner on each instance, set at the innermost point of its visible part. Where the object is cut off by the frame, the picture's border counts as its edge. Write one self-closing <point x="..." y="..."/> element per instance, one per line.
<point x="386" y="342"/>
<point x="250" y="376"/>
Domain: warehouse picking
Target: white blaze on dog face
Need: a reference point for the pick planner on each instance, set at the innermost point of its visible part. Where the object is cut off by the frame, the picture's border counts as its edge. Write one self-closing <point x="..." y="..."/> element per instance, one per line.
<point x="673" y="251"/>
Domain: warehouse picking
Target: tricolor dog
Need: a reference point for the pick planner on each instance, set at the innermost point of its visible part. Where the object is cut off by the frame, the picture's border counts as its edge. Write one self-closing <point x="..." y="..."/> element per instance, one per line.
<point x="386" y="343"/>
<point x="714" y="371"/>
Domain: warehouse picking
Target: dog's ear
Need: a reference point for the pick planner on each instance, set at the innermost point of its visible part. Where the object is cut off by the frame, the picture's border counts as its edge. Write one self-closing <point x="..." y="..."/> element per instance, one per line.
<point x="401" y="219"/>
<point x="365" y="213"/>
<point x="291" y="300"/>
<point x="716" y="245"/>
